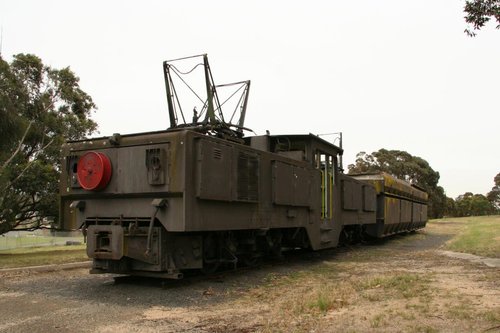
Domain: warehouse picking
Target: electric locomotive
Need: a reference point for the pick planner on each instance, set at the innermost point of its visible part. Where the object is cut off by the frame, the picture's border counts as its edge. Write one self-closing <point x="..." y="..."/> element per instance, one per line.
<point x="201" y="194"/>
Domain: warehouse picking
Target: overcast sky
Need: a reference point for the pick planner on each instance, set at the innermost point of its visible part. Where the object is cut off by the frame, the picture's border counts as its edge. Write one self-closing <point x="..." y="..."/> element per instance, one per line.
<point x="388" y="74"/>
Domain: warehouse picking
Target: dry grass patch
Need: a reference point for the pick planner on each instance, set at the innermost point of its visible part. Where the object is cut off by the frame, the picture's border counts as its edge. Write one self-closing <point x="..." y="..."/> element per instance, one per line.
<point x="302" y="300"/>
<point x="492" y="315"/>
<point x="392" y="286"/>
<point x="462" y="310"/>
<point x="402" y="284"/>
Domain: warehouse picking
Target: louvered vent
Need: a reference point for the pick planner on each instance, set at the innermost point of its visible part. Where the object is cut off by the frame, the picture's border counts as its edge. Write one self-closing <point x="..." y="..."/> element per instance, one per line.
<point x="248" y="177"/>
<point x="217" y="153"/>
<point x="156" y="166"/>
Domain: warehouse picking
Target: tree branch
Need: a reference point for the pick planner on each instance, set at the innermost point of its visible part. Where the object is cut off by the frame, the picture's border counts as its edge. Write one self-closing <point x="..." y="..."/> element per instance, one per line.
<point x="10" y="183"/>
<point x="18" y="147"/>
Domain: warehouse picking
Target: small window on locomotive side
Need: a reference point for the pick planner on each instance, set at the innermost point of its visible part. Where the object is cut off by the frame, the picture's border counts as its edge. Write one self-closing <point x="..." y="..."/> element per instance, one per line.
<point x="325" y="162"/>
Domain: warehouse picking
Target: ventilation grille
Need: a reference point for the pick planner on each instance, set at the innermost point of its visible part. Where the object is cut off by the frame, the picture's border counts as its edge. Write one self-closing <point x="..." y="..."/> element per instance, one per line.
<point x="248" y="177"/>
<point x="217" y="153"/>
<point x="155" y="166"/>
<point x="153" y="158"/>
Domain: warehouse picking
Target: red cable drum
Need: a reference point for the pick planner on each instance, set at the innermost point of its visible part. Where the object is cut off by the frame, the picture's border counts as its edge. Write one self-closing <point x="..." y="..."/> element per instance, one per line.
<point x="94" y="171"/>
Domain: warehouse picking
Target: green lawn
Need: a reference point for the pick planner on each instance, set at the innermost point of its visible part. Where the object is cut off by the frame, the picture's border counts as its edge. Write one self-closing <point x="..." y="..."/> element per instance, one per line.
<point x="478" y="235"/>
<point x="34" y="240"/>
<point x="34" y="256"/>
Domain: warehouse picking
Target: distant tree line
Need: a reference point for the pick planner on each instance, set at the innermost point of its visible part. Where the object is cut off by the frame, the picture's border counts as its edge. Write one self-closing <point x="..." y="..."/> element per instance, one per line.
<point x="417" y="171"/>
<point x="469" y="204"/>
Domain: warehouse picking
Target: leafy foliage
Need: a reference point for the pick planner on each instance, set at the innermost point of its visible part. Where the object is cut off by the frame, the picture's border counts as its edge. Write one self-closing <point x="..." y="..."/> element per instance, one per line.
<point x="479" y="12"/>
<point x="469" y="204"/>
<point x="494" y="195"/>
<point x="405" y="166"/>
<point x="39" y="108"/>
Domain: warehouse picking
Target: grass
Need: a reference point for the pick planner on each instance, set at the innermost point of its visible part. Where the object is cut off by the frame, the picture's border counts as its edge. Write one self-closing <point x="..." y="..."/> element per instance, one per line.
<point x="386" y="286"/>
<point x="330" y="289"/>
<point x="35" y="256"/>
<point x="313" y="295"/>
<point x="478" y="235"/>
<point x="322" y="302"/>
<point x="493" y="316"/>
<point x="34" y="240"/>
<point x="461" y="310"/>
<point x="424" y="329"/>
<point x="378" y="320"/>
<point x="420" y="307"/>
<point x="404" y="285"/>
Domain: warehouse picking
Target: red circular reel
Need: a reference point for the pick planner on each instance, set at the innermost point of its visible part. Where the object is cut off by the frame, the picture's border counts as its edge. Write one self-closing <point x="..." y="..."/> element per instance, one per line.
<point x="94" y="171"/>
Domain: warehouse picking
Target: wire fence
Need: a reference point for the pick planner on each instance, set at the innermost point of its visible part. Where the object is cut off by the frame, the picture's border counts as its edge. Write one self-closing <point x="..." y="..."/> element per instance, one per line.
<point x="38" y="238"/>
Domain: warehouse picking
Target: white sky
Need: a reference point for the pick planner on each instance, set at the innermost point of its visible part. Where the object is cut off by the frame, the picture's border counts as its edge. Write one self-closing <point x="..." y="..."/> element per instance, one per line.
<point x="388" y="74"/>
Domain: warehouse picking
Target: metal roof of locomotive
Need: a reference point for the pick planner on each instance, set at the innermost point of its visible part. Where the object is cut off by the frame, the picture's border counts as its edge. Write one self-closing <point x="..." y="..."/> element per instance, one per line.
<point x="311" y="138"/>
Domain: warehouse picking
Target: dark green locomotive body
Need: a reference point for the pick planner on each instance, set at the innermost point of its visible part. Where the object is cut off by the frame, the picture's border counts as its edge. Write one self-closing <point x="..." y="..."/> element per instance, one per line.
<point x="163" y="202"/>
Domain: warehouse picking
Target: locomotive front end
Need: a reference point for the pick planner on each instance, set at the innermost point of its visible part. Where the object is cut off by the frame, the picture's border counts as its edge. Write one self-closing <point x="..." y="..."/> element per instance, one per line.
<point x="124" y="193"/>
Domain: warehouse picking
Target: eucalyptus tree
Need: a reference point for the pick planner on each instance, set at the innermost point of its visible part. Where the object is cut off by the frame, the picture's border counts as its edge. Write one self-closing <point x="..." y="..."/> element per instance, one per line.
<point x="40" y="107"/>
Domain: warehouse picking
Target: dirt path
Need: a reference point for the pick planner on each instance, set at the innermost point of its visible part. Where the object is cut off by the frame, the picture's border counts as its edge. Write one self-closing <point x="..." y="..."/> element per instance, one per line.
<point x="400" y="284"/>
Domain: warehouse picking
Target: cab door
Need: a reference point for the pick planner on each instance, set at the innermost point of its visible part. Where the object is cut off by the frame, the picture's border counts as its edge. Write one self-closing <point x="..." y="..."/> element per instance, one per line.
<point x="326" y="164"/>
